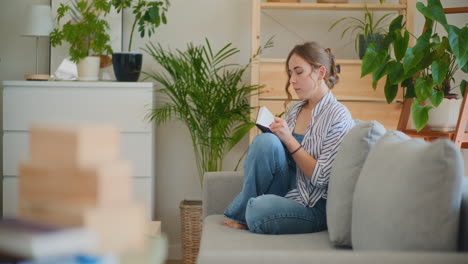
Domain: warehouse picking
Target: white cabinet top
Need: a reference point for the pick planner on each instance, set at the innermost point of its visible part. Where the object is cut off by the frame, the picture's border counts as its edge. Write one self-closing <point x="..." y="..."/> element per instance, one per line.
<point x="76" y="84"/>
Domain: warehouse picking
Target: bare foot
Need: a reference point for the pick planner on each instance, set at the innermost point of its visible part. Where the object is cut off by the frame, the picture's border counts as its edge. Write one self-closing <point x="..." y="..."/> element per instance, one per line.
<point x="233" y="224"/>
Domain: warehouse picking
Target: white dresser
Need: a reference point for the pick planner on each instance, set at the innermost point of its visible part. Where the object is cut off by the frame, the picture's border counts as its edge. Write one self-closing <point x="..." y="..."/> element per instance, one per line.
<point x="120" y="103"/>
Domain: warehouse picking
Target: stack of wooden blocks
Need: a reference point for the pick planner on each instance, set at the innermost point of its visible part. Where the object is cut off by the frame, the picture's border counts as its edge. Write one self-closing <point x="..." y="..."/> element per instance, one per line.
<point x="76" y="177"/>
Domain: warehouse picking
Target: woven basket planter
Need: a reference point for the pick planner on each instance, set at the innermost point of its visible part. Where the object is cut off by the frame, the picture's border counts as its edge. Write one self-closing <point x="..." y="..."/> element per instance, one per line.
<point x="191" y="220"/>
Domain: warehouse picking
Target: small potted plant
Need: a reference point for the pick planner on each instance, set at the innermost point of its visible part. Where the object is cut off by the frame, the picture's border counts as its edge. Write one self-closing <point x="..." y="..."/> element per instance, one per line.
<point x="148" y="16"/>
<point x="425" y="70"/>
<point x="87" y="34"/>
<point x="365" y="31"/>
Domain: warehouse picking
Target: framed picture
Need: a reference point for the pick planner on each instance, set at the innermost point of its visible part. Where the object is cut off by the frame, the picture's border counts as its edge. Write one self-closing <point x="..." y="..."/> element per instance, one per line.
<point x="59" y="53"/>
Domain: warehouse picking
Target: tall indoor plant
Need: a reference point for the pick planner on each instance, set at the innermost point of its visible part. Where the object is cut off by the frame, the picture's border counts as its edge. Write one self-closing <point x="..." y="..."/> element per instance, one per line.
<point x="425" y="70"/>
<point x="148" y="15"/>
<point x="86" y="32"/>
<point x="364" y="31"/>
<point x="207" y="95"/>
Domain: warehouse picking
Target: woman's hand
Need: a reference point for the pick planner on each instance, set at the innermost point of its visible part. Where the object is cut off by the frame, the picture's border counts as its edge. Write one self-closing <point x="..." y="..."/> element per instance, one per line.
<point x="280" y="128"/>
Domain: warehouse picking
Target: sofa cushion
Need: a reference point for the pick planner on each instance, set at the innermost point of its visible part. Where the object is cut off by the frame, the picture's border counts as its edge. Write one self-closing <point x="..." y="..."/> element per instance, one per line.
<point x="345" y="171"/>
<point x="408" y="195"/>
<point x="218" y="239"/>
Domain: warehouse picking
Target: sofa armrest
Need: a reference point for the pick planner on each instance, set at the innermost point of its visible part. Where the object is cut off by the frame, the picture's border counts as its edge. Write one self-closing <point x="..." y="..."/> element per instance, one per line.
<point x="219" y="189"/>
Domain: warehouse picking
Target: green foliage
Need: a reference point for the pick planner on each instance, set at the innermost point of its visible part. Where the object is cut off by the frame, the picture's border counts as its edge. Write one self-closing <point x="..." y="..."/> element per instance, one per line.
<point x="207" y="95"/>
<point x="148" y="15"/>
<point x="86" y="31"/>
<point x="365" y="26"/>
<point x="425" y="70"/>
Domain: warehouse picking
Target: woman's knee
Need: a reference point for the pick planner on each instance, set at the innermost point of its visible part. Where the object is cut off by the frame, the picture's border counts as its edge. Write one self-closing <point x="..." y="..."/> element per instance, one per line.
<point x="265" y="142"/>
<point x="258" y="210"/>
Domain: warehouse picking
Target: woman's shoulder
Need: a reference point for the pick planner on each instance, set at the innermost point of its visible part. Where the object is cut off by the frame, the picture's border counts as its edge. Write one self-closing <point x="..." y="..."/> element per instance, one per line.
<point x="339" y="111"/>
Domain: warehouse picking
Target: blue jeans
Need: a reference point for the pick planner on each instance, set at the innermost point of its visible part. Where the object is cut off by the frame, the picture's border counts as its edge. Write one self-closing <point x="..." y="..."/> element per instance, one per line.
<point x="269" y="173"/>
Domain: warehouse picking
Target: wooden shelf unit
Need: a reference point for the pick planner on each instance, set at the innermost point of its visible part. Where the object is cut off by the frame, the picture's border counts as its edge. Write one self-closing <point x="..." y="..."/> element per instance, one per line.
<point x="348" y="7"/>
<point x="357" y="94"/>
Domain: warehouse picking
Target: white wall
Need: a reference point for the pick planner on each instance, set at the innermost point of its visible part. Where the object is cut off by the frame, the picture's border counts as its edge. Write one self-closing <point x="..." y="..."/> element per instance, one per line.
<point x="221" y="21"/>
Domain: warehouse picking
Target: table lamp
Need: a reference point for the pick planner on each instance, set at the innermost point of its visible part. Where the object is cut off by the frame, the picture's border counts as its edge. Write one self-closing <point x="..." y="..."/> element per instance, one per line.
<point x="38" y="24"/>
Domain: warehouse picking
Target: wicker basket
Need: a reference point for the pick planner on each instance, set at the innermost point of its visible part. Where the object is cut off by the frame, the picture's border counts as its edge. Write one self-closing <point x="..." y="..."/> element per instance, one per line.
<point x="191" y="220"/>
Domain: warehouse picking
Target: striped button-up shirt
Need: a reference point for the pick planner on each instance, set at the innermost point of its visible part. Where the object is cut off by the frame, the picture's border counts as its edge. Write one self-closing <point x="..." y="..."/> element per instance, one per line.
<point x="330" y="122"/>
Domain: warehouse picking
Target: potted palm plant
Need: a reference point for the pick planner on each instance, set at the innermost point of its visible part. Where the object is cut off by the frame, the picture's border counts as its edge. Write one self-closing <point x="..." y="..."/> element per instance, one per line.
<point x="364" y="31"/>
<point x="208" y="96"/>
<point x="149" y="15"/>
<point x="426" y="70"/>
<point x="86" y="32"/>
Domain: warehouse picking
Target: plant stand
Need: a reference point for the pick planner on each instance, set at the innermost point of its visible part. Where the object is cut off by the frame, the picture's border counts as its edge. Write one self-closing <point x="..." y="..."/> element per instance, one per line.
<point x="191" y="220"/>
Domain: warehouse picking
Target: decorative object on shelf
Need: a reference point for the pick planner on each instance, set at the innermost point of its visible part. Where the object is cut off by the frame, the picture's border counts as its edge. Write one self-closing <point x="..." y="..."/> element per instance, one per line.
<point x="425" y="70"/>
<point x="148" y="15"/>
<point x="86" y="32"/>
<point x="364" y="31"/>
<point x="38" y="24"/>
<point x="207" y="94"/>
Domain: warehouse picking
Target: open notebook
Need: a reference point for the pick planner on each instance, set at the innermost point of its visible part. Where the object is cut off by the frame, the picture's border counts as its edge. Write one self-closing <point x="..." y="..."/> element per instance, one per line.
<point x="264" y="119"/>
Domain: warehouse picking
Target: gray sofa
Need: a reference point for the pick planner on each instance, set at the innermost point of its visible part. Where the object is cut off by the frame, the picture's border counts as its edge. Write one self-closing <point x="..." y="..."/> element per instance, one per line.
<point x="224" y="245"/>
<point x="403" y="200"/>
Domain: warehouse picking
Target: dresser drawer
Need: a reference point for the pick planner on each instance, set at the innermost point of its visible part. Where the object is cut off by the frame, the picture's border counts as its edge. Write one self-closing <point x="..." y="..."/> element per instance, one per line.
<point x="125" y="108"/>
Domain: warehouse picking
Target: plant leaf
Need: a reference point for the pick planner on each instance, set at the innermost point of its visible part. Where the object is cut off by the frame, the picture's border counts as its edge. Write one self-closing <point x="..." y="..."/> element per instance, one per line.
<point x="395" y="72"/>
<point x="423" y="88"/>
<point x="439" y="70"/>
<point x="400" y="44"/>
<point x="391" y="90"/>
<point x="458" y="39"/>
<point x="415" y="54"/>
<point x="436" y="98"/>
<point x="420" y="114"/>
<point x="396" y="24"/>
<point x="379" y="73"/>
<point x="434" y="11"/>
<point x="372" y="60"/>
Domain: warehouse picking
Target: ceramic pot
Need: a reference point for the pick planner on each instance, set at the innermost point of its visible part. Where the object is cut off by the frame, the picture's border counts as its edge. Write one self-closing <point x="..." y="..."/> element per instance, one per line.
<point x="88" y="68"/>
<point x="445" y="116"/>
<point x="127" y="66"/>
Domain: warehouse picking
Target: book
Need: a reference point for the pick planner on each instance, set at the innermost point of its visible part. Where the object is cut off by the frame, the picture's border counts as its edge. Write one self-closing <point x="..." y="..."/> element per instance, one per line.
<point x="32" y="240"/>
<point x="264" y="119"/>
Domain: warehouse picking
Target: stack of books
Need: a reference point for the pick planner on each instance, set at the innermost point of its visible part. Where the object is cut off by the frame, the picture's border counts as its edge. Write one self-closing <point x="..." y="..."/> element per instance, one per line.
<point x="76" y="182"/>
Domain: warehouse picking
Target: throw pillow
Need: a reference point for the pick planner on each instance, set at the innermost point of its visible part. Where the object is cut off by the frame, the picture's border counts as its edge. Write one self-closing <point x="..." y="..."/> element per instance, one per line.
<point x="344" y="173"/>
<point x="408" y="196"/>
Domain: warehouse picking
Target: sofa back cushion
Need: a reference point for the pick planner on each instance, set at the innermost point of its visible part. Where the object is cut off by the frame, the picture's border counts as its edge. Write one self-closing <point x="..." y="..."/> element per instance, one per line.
<point x="344" y="174"/>
<point x="408" y="196"/>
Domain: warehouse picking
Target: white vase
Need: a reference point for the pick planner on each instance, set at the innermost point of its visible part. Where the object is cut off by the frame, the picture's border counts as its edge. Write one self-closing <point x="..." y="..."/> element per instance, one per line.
<point x="445" y="116"/>
<point x="88" y="68"/>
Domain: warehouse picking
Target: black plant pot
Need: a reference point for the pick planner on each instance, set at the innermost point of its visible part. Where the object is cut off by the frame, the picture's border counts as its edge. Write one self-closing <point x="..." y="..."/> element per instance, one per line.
<point x="364" y="43"/>
<point x="127" y="66"/>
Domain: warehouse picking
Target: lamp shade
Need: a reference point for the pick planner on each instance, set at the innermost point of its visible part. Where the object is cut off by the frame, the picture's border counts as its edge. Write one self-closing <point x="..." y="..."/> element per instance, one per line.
<point x="38" y="21"/>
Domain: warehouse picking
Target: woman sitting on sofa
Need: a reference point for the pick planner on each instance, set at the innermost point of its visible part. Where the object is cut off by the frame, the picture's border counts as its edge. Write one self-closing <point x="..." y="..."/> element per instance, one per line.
<point x="286" y="172"/>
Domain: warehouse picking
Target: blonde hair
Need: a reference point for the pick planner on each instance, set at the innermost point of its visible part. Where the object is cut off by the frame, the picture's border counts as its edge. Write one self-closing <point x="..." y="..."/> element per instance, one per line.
<point x="316" y="56"/>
